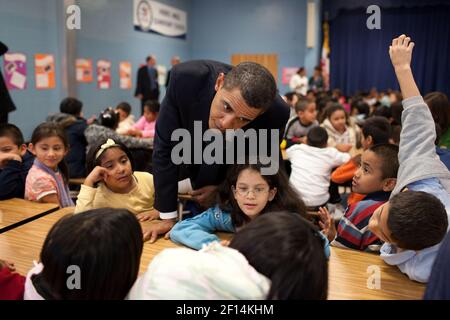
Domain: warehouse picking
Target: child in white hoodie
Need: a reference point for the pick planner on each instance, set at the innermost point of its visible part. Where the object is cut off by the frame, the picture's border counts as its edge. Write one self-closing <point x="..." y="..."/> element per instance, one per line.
<point x="288" y="264"/>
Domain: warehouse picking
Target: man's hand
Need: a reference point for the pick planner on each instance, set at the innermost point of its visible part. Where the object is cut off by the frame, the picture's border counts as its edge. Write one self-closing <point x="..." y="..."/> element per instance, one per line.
<point x="140" y="96"/>
<point x="148" y="215"/>
<point x="6" y="264"/>
<point x="205" y="196"/>
<point x="151" y="232"/>
<point x="5" y="157"/>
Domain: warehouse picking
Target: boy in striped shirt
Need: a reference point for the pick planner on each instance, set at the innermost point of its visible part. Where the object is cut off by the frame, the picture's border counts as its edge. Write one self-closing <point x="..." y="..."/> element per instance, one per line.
<point x="376" y="178"/>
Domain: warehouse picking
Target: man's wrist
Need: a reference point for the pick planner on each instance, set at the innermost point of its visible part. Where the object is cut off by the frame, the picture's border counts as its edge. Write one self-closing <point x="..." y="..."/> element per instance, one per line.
<point x="168" y="215"/>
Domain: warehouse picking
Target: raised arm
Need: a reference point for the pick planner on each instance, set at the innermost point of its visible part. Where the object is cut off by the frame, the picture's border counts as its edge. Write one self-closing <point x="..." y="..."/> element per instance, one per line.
<point x="418" y="129"/>
<point x="401" y="52"/>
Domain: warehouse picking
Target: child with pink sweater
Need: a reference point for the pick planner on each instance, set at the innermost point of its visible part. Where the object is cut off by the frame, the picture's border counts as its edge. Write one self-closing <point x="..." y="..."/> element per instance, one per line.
<point x="145" y="127"/>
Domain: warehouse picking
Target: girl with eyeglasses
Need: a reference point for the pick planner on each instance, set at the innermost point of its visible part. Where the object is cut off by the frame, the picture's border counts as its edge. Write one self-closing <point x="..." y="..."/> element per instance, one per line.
<point x="243" y="196"/>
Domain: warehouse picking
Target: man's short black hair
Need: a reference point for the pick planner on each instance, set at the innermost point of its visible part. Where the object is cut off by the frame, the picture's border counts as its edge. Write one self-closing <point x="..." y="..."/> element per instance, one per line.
<point x="11" y="131"/>
<point x="256" y="84"/>
<point x="125" y="107"/>
<point x="416" y="220"/>
<point x="71" y="106"/>
<point x="378" y="128"/>
<point x="317" y="137"/>
<point x="388" y="153"/>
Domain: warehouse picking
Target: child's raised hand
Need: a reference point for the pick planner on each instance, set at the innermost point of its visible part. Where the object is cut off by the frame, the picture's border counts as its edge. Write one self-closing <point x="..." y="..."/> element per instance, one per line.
<point x="326" y="223"/>
<point x="148" y="215"/>
<point x="401" y="52"/>
<point x="96" y="175"/>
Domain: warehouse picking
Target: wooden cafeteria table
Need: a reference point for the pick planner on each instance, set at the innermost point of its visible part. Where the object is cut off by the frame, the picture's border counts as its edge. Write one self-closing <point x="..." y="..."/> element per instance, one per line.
<point x="15" y="212"/>
<point x="349" y="271"/>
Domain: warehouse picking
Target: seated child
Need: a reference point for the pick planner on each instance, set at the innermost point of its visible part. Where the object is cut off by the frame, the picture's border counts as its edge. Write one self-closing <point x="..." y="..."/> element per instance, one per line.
<point x="342" y="134"/>
<point x="440" y="110"/>
<point x="11" y="283"/>
<point x="15" y="162"/>
<point x="145" y="127"/>
<point x="71" y="120"/>
<point x="298" y="127"/>
<point x="375" y="178"/>
<point x="47" y="180"/>
<point x="106" y="129"/>
<point x="414" y="221"/>
<point x="311" y="167"/>
<point x="244" y="195"/>
<point x="278" y="256"/>
<point x="111" y="182"/>
<point x="94" y="255"/>
<point x="291" y="98"/>
<point x="126" y="119"/>
<point x="376" y="130"/>
<point x="438" y="287"/>
<point x="443" y="153"/>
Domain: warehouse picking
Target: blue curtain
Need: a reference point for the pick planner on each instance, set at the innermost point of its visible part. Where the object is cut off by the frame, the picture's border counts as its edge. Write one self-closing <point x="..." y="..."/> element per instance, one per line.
<point x="359" y="58"/>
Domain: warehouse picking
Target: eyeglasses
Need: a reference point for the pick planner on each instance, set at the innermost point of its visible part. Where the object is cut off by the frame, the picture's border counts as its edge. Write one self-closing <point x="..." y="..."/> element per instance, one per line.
<point x="244" y="191"/>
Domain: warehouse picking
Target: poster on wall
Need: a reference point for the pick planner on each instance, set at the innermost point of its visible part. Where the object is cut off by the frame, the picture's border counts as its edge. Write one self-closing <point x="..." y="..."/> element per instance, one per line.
<point x="84" y="70"/>
<point x="154" y="17"/>
<point x="103" y="74"/>
<point x="287" y="74"/>
<point x="44" y="69"/>
<point x="15" y="67"/>
<point x="125" y="75"/>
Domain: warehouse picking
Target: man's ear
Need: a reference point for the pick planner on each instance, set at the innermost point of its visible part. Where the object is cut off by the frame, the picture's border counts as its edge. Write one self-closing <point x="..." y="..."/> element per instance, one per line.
<point x="23" y="149"/>
<point x="219" y="81"/>
<point x="389" y="184"/>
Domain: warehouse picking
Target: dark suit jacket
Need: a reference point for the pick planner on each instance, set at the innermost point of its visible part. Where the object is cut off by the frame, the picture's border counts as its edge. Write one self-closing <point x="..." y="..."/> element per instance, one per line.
<point x="188" y="99"/>
<point x="6" y="103"/>
<point x="143" y="85"/>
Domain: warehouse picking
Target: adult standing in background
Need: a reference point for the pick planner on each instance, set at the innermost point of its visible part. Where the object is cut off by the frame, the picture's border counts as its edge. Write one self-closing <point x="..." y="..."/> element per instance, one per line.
<point x="316" y="82"/>
<point x="299" y="82"/>
<point x="6" y="103"/>
<point x="147" y="87"/>
<point x="174" y="61"/>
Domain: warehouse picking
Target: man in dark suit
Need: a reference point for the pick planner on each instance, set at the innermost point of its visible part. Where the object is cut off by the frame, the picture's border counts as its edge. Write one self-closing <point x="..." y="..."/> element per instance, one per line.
<point x="221" y="97"/>
<point x="6" y="103"/>
<point x="147" y="87"/>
